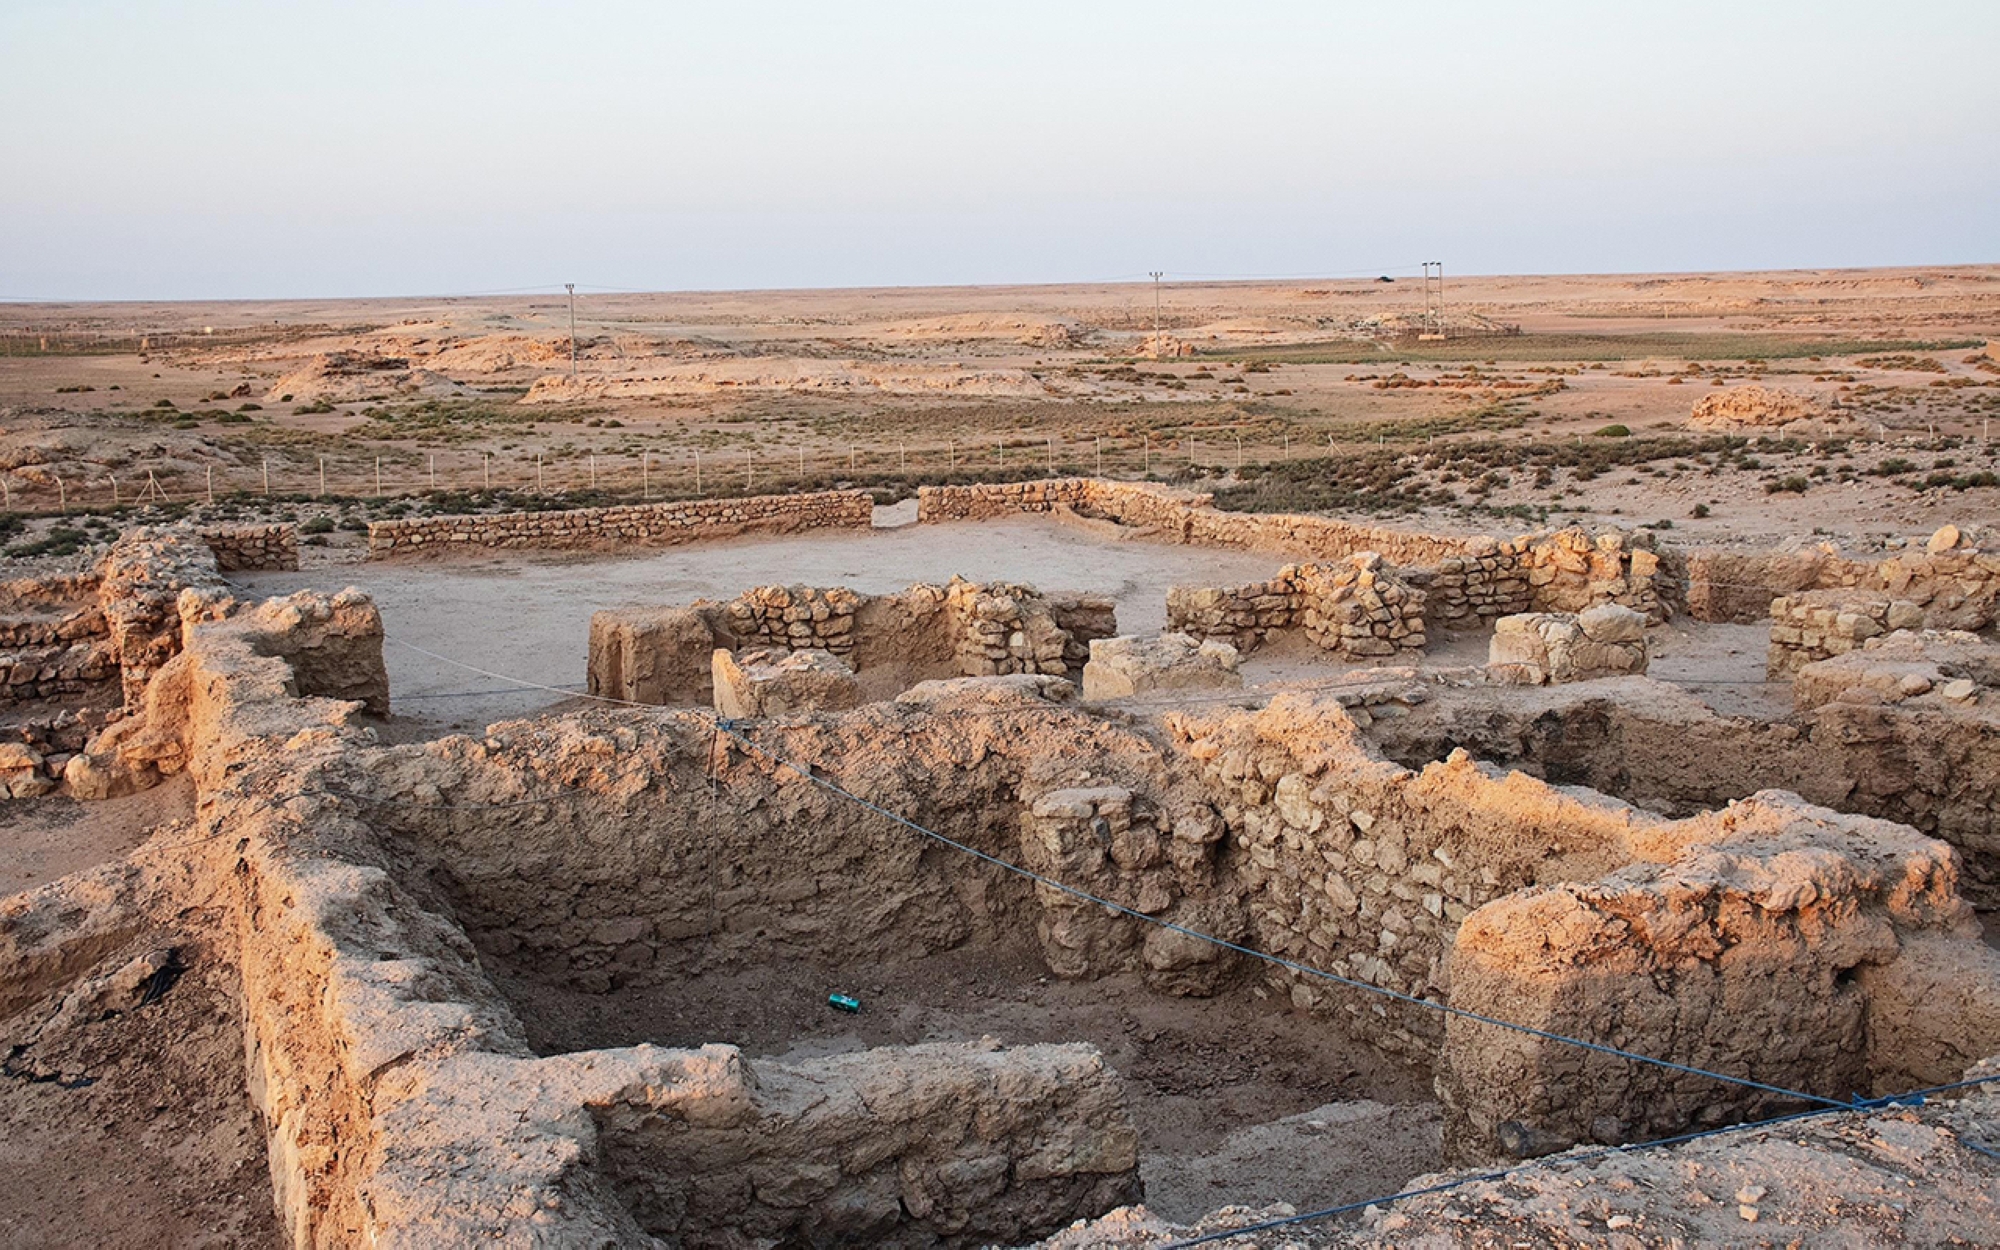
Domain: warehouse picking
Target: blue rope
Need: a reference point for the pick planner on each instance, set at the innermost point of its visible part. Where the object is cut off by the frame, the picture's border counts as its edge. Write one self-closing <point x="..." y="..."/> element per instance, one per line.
<point x="1914" y="1098"/>
<point x="729" y="727"/>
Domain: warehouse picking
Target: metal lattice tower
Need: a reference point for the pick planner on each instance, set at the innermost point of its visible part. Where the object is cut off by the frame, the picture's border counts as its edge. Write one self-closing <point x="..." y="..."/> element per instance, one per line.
<point x="1433" y="300"/>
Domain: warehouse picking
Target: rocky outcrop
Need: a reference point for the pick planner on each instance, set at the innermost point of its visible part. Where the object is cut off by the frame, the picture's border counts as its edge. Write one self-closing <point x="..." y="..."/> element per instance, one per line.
<point x="1763" y="409"/>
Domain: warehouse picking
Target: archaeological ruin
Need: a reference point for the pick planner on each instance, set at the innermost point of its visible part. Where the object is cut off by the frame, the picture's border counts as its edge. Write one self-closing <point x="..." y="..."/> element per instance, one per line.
<point x="956" y="916"/>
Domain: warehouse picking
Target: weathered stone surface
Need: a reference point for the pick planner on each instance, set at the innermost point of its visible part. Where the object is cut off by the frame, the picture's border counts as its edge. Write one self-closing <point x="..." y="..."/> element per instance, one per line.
<point x="1548" y="648"/>
<point x="762" y="682"/>
<point x="1120" y="668"/>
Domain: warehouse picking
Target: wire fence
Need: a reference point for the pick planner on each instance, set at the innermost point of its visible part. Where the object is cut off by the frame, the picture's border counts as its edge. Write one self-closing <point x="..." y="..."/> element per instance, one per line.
<point x="668" y="473"/>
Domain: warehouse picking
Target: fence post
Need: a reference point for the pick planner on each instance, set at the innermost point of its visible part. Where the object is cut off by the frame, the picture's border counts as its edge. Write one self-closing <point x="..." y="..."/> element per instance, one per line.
<point x="749" y="471"/>
<point x="645" y="475"/>
<point x="1191" y="443"/>
<point x="322" y="477"/>
<point x="697" y="471"/>
<point x="211" y="484"/>
<point x="593" y="470"/>
<point x="902" y="457"/>
<point x="486" y="468"/>
<point x="1288" y="447"/>
<point x="951" y="449"/>
<point x="62" y="493"/>
<point x="1149" y="452"/>
<point x="1100" y="455"/>
<point x="265" y="461"/>
<point x="1239" y="451"/>
<point x="378" y="477"/>
<point x="802" y="460"/>
<point x="1052" y="454"/>
<point x="434" y="471"/>
<point x="538" y="473"/>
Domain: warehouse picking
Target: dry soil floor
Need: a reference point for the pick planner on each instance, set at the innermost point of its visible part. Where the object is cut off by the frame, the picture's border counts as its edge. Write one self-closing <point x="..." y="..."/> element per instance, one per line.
<point x="1230" y="1094"/>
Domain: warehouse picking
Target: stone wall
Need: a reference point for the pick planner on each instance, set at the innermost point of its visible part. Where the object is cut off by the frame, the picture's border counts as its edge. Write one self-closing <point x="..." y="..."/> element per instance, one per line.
<point x="1951" y="667"/>
<point x="1547" y="648"/>
<point x="1468" y="579"/>
<point x="253" y="547"/>
<point x="402" y="1102"/>
<point x="1957" y="588"/>
<point x="1820" y="624"/>
<point x="370" y="889"/>
<point x="961" y="629"/>
<point x="42" y="674"/>
<point x="142" y="578"/>
<point x="1762" y="954"/>
<point x="650" y="524"/>
<point x="1355" y="607"/>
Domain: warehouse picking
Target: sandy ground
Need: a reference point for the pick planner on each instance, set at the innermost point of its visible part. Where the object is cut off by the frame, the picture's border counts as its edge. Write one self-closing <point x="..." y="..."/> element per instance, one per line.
<point x="1230" y="1093"/>
<point x="51" y="837"/>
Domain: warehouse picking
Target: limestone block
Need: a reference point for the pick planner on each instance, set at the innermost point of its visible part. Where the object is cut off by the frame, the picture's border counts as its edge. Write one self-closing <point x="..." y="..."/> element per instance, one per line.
<point x="770" y="682"/>
<point x="1122" y="667"/>
<point x="1547" y="648"/>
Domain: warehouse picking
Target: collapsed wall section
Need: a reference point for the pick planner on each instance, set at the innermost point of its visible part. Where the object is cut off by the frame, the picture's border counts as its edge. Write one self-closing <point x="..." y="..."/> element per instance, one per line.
<point x="647" y="524"/>
<point x="1754" y="943"/>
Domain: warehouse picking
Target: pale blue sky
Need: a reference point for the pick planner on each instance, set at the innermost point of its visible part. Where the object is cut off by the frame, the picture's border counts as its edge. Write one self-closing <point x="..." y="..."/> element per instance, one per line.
<point x="217" y="149"/>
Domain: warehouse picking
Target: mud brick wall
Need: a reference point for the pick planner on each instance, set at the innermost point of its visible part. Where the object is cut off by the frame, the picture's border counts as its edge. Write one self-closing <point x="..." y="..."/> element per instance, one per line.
<point x="253" y="547"/>
<point x="1820" y="624"/>
<point x="652" y="524"/>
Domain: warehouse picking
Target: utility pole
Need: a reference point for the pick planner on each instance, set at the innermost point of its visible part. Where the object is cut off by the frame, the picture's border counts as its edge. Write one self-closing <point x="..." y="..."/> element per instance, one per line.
<point x="571" y="288"/>
<point x="1157" y="275"/>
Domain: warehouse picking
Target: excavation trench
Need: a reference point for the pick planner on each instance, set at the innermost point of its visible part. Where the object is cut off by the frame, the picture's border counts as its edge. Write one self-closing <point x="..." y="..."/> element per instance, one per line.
<point x="673" y="896"/>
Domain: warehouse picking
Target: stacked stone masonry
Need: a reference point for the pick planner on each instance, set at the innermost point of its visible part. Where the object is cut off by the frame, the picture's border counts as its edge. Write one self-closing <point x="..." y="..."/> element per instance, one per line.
<point x="1468" y="580"/>
<point x="892" y="642"/>
<point x="253" y="547"/>
<point x="1820" y="624"/>
<point x="1475" y="579"/>
<point x="651" y="524"/>
<point x="1549" y="648"/>
<point x="1357" y="607"/>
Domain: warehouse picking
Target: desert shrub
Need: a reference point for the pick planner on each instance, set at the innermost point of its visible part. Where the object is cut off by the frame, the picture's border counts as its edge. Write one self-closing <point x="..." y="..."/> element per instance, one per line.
<point x="1612" y="431"/>
<point x="1793" y="485"/>
<point x="1699" y="511"/>
<point x="318" y="525"/>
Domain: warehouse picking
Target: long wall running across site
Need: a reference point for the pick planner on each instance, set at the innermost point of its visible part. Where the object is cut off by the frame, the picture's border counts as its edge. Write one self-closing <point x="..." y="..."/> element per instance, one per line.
<point x="647" y="524"/>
